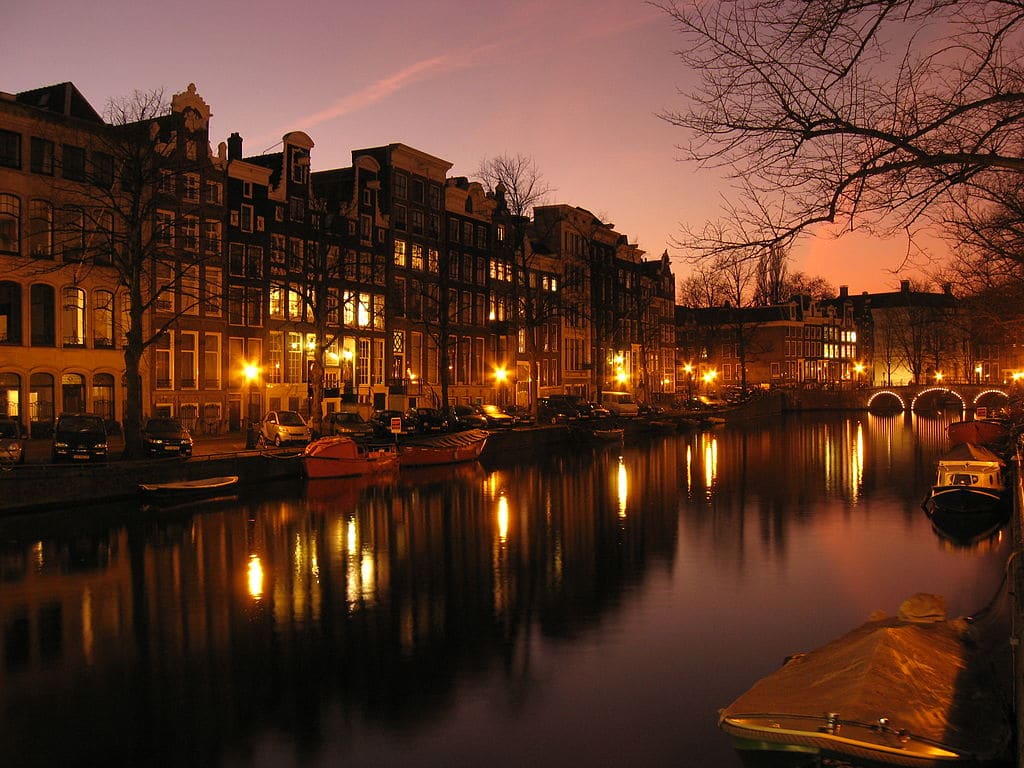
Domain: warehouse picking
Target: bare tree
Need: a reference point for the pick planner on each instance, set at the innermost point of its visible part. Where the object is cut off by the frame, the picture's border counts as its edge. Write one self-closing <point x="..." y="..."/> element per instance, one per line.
<point x="518" y="186"/>
<point x="864" y="114"/>
<point x="120" y="216"/>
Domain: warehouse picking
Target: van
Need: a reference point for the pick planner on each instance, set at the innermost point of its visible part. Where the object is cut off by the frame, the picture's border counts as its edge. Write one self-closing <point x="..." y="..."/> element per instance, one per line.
<point x="620" y="403"/>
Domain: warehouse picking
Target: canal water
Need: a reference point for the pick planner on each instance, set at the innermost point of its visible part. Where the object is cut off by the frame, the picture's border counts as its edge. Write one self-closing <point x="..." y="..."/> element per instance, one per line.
<point x="595" y="606"/>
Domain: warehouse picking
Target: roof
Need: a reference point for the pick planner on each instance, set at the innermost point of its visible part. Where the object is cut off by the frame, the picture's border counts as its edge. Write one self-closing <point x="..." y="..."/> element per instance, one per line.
<point x="62" y="99"/>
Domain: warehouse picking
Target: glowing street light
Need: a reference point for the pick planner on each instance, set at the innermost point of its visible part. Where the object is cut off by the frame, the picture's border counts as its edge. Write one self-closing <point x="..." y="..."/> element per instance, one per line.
<point x="251" y="371"/>
<point x="938" y="377"/>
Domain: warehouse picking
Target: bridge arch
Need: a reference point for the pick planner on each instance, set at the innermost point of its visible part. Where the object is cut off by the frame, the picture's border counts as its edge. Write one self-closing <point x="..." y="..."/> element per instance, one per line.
<point x="880" y="400"/>
<point x="987" y="392"/>
<point x="933" y="390"/>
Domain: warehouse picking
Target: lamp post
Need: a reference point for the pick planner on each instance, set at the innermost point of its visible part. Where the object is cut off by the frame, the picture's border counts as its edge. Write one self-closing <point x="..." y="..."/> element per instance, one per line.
<point x="977" y="373"/>
<point x="347" y="374"/>
<point x="251" y="374"/>
<point x="688" y="370"/>
<point x="709" y="377"/>
<point x="500" y="377"/>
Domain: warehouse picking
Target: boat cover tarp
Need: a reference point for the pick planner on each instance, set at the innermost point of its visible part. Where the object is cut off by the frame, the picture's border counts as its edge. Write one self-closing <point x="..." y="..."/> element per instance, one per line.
<point x="929" y="676"/>
<point x="964" y="452"/>
<point x="447" y="440"/>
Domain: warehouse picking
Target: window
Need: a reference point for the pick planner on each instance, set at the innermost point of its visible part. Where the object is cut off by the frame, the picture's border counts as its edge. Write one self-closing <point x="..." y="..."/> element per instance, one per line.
<point x="74" y="162"/>
<point x="213" y="286"/>
<point x="10" y="149"/>
<point x="400" y="256"/>
<point x="164" y="234"/>
<point x="41" y="156"/>
<point x="277" y="254"/>
<point x="254" y="261"/>
<point x="103" y="319"/>
<point x="72" y="228"/>
<point x="247" y="189"/>
<point x="162" y="361"/>
<point x="417" y="222"/>
<point x="166" y="183"/>
<point x="434" y="225"/>
<point x="190" y="191"/>
<point x="73" y="300"/>
<point x="299" y="163"/>
<point x="433" y="260"/>
<point x="246" y="216"/>
<point x="399" y="218"/>
<point x="294" y="368"/>
<point x="401" y="186"/>
<point x="163" y="287"/>
<point x="435" y="197"/>
<point x="10" y="223"/>
<point x="212" y="193"/>
<point x="481" y="236"/>
<point x="188" y="357"/>
<point x="211" y="360"/>
<point x="416" y="189"/>
<point x="296" y="305"/>
<point x="103" y="169"/>
<point x="365" y="227"/>
<point x="103" y="395"/>
<point x="10" y="313"/>
<point x="211" y="237"/>
<point x="275" y="358"/>
<point x="40" y="229"/>
<point x="417" y="256"/>
<point x="190" y="233"/>
<point x="453" y="230"/>
<point x="296" y="208"/>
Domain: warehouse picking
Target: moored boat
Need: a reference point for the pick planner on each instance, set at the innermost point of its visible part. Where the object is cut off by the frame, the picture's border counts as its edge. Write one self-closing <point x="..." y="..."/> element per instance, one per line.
<point x="916" y="690"/>
<point x="451" y="448"/>
<point x="344" y="457"/>
<point x="187" y="488"/>
<point x="989" y="432"/>
<point x="969" y="479"/>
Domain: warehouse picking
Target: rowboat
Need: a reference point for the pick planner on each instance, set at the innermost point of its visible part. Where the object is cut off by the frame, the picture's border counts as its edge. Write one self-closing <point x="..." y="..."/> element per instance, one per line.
<point x="451" y="448"/>
<point x="344" y="457"/>
<point x="978" y="432"/>
<point x="969" y="479"/>
<point x="915" y="690"/>
<point x="184" y="488"/>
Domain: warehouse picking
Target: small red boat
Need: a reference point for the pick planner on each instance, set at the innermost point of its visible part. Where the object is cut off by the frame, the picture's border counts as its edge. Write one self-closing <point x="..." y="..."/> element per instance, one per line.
<point x="450" y="448"/>
<point x="977" y="432"/>
<point x="344" y="457"/>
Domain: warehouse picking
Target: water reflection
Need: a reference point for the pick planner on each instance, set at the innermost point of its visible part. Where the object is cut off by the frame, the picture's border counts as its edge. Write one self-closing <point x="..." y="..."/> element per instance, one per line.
<point x="368" y="621"/>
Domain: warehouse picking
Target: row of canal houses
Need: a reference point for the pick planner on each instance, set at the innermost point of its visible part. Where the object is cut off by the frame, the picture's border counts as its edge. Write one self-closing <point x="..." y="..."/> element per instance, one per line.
<point x="272" y="282"/>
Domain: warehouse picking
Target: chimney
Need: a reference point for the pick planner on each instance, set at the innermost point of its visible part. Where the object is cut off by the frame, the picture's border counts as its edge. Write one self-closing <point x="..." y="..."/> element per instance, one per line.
<point x="844" y="291"/>
<point x="947" y="288"/>
<point x="234" y="147"/>
<point x="904" y="286"/>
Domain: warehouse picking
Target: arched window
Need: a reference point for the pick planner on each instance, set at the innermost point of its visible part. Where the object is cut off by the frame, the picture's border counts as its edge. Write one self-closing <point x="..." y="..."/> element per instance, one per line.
<point x="43" y="325"/>
<point x="73" y="320"/>
<point x="103" y="395"/>
<point x="10" y="223"/>
<point x="10" y="395"/>
<point x="103" y="319"/>
<point x="10" y="313"/>
<point x="40" y="229"/>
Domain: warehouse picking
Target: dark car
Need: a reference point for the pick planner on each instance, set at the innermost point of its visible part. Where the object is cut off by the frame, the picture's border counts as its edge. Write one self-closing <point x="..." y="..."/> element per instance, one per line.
<point x="521" y="415"/>
<point x="465" y="417"/>
<point x="496" y="418"/>
<point x="555" y="411"/>
<point x="12" y="441"/>
<point x="406" y="422"/>
<point x="350" y="424"/>
<point x="79" y="437"/>
<point x="585" y="409"/>
<point x="162" y="436"/>
<point x="430" y="420"/>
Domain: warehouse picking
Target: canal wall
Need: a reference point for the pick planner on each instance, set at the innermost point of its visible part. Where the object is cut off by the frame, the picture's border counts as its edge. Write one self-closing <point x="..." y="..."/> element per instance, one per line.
<point x="1015" y="573"/>
<point x="48" y="486"/>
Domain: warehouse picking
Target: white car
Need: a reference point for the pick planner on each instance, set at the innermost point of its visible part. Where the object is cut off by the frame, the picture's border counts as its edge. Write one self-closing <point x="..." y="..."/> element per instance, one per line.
<point x="280" y="427"/>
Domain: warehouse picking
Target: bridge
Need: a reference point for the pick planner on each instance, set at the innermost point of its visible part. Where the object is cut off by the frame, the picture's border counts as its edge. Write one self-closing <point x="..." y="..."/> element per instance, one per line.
<point x="916" y="397"/>
<point x="913" y="397"/>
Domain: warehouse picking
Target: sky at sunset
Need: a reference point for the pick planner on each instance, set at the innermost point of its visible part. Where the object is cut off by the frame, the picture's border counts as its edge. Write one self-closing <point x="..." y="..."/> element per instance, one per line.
<point x="574" y="84"/>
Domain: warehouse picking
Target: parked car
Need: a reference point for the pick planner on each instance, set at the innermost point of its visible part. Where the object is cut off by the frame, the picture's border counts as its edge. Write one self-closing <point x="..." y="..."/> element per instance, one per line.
<point x="12" y="441"/>
<point x="430" y="420"/>
<point x="466" y="417"/>
<point x="163" y="436"/>
<point x="584" y="408"/>
<point x="521" y="415"/>
<point x="555" y="411"/>
<point x="79" y="437"/>
<point x="350" y="424"/>
<point x="620" y="403"/>
<point x="280" y="427"/>
<point x="406" y="422"/>
<point x="496" y="418"/>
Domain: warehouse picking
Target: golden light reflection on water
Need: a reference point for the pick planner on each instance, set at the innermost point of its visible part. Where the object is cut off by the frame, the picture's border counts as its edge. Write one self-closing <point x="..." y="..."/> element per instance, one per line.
<point x="502" y="519"/>
<point x="255" y="577"/>
<point x="623" y="485"/>
<point x="710" y="463"/>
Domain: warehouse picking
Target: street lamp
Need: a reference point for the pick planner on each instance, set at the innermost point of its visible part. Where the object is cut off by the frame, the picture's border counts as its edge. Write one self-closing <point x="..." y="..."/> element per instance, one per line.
<point x="938" y="377"/>
<point x="709" y="377"/>
<point x="346" y="355"/>
<point x="500" y="377"/>
<point x="688" y="370"/>
<point x="977" y="373"/>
